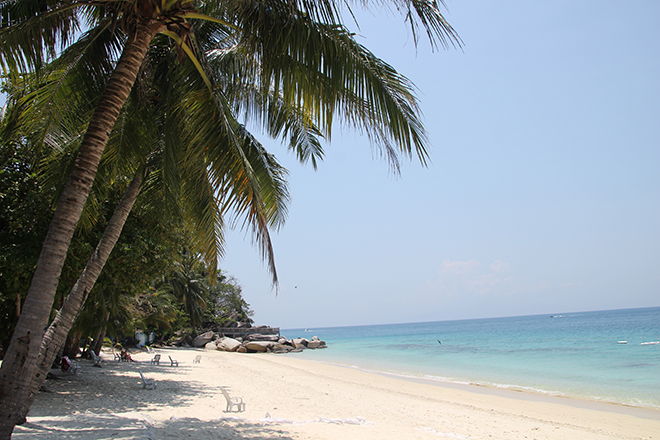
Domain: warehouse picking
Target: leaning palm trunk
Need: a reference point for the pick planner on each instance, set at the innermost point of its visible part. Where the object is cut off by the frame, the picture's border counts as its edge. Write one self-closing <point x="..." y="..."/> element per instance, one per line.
<point x="98" y="341"/>
<point x="19" y="365"/>
<point x="58" y="330"/>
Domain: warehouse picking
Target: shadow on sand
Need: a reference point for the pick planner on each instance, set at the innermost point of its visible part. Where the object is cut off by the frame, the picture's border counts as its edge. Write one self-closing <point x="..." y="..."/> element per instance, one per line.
<point x="94" y="426"/>
<point x="109" y="403"/>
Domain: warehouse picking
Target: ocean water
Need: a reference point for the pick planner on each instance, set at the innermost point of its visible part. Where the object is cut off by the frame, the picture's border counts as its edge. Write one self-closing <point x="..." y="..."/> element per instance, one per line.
<point x="574" y="354"/>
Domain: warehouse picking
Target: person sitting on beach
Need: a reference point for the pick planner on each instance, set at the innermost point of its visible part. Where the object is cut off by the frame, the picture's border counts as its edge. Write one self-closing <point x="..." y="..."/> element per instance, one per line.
<point x="125" y="356"/>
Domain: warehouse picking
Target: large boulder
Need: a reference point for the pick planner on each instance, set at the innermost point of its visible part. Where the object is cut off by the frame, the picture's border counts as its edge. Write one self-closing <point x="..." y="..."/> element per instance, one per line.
<point x="316" y="344"/>
<point x="228" y="344"/>
<point x="202" y="340"/>
<point x="282" y="348"/>
<point x="260" y="337"/>
<point x="211" y="346"/>
<point x="259" y="346"/>
<point x="300" y="342"/>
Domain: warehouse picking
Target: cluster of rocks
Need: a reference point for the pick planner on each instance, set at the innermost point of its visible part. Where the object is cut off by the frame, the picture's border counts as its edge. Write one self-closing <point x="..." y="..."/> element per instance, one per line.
<point x="255" y="343"/>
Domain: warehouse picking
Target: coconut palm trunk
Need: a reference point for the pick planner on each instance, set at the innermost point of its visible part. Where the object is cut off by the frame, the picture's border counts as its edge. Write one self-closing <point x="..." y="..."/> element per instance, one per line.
<point x="20" y="362"/>
<point x="97" y="343"/>
<point x="100" y="336"/>
<point x="57" y="332"/>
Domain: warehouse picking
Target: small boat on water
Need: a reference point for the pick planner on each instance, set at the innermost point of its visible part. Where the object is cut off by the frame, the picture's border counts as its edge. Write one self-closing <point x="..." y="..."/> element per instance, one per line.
<point x="623" y="342"/>
<point x="651" y="343"/>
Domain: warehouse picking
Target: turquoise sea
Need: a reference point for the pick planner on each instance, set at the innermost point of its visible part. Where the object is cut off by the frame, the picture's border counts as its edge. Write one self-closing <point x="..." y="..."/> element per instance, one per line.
<point x="572" y="354"/>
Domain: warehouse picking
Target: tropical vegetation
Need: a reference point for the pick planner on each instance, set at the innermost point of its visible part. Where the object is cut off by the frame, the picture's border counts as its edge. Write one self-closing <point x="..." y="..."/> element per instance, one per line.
<point x="87" y="73"/>
<point x="151" y="282"/>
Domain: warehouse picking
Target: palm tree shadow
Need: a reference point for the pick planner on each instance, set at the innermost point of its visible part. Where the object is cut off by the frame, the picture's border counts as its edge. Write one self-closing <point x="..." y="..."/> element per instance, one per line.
<point x="114" y="389"/>
<point x="113" y="395"/>
<point x="88" y="426"/>
<point x="192" y="428"/>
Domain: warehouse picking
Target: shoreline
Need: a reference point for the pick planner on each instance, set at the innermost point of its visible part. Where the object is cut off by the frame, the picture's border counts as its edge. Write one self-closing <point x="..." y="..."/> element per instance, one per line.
<point x="647" y="412"/>
<point x="292" y="398"/>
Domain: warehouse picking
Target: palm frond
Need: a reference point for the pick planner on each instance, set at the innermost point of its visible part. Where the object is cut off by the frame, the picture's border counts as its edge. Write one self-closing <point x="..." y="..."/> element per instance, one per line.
<point x="236" y="74"/>
<point x="33" y="31"/>
<point x="425" y="14"/>
<point x="321" y="70"/>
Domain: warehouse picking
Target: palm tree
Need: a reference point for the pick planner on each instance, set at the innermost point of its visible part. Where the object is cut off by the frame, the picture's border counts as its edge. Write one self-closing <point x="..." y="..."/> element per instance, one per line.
<point x="199" y="201"/>
<point x="339" y="75"/>
<point x="155" y="309"/>
<point x="188" y="283"/>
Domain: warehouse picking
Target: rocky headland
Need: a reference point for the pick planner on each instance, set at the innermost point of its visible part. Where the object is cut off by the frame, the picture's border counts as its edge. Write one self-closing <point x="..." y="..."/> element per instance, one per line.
<point x="252" y="342"/>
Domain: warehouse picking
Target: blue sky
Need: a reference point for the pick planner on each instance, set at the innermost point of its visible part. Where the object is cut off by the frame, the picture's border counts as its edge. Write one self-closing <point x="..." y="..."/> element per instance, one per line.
<point x="543" y="194"/>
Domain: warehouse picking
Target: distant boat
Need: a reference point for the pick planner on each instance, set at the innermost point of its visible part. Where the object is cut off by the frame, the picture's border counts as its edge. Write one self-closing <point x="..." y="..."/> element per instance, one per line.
<point x="623" y="342"/>
<point x="307" y="330"/>
<point x="651" y="343"/>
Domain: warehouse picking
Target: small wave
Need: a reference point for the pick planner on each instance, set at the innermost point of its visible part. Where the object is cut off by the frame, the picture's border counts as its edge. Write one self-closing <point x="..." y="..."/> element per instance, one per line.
<point x="638" y="365"/>
<point x="448" y="381"/>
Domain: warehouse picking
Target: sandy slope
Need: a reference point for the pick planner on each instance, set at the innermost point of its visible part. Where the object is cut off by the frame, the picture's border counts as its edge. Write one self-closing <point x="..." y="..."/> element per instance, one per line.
<point x="291" y="398"/>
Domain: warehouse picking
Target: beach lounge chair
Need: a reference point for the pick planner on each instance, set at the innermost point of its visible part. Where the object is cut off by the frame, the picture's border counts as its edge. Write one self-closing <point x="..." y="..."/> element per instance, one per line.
<point x="173" y="363"/>
<point x="156" y="360"/>
<point x="197" y="359"/>
<point x="151" y="383"/>
<point x="233" y="401"/>
<point x="97" y="359"/>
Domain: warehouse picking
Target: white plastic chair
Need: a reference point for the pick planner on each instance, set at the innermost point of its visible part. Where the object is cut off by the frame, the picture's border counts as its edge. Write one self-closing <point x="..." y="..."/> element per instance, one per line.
<point x="173" y="362"/>
<point x="233" y="402"/>
<point x="97" y="359"/>
<point x="156" y="360"/>
<point x="197" y="359"/>
<point x="151" y="383"/>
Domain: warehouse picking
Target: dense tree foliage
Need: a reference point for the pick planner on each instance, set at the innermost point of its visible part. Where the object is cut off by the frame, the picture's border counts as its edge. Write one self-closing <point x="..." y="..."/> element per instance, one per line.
<point x="25" y="213"/>
<point x="149" y="282"/>
<point x="226" y="306"/>
<point x="275" y="61"/>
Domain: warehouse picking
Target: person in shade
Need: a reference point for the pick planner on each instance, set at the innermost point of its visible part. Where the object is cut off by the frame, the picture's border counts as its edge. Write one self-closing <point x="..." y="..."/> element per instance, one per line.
<point x="126" y="356"/>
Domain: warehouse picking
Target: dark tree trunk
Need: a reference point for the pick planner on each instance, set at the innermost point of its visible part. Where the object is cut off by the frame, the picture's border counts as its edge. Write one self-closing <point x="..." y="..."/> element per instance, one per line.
<point x="19" y="365"/>
<point x="72" y="347"/>
<point x="98" y="341"/>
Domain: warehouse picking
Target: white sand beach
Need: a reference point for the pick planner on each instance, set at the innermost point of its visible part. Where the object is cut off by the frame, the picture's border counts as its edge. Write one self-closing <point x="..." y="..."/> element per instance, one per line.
<point x="288" y="397"/>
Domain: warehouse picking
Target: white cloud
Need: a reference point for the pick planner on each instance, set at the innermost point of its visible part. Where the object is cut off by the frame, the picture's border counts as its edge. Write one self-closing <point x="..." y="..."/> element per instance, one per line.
<point x="459" y="267"/>
<point x="499" y="266"/>
<point x="467" y="277"/>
